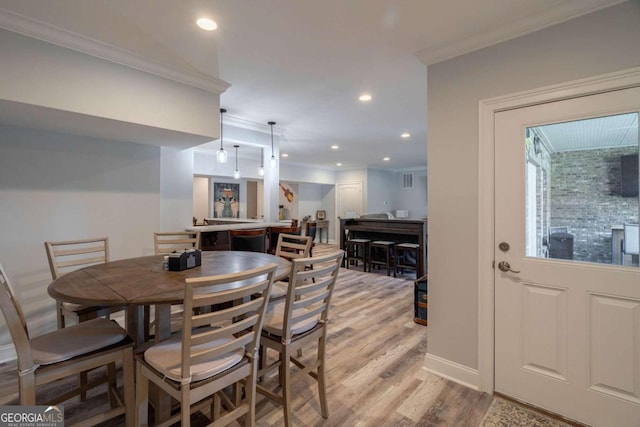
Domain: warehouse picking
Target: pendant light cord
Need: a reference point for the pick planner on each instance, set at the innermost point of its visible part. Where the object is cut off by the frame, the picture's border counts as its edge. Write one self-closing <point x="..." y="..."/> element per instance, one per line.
<point x="222" y="111"/>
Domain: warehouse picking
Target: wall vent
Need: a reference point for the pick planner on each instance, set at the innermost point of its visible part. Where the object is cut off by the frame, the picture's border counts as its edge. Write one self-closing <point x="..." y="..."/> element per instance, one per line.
<point x="407" y="180"/>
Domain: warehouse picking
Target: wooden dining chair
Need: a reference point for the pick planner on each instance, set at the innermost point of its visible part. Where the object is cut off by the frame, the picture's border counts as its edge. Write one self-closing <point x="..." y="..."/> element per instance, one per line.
<point x="300" y="320"/>
<point x="69" y="255"/>
<point x="274" y="232"/>
<point x="253" y="240"/>
<point x="70" y="351"/>
<point x="169" y="241"/>
<point x="290" y="246"/>
<point x="165" y="243"/>
<point x="195" y="367"/>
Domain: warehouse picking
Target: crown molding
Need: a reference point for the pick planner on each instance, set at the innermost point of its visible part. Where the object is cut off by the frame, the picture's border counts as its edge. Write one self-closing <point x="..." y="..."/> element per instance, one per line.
<point x="502" y="33"/>
<point x="59" y="36"/>
<point x="241" y="123"/>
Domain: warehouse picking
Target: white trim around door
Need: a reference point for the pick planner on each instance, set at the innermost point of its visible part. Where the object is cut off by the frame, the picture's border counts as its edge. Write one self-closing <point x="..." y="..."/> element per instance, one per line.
<point x="487" y="110"/>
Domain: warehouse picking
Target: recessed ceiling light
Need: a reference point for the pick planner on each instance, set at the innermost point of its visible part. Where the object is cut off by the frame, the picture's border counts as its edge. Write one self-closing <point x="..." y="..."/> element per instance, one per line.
<point x="334" y="147"/>
<point x="365" y="97"/>
<point x="285" y="155"/>
<point x="405" y="135"/>
<point x="207" y="24"/>
<point x="386" y="159"/>
<point x="338" y="164"/>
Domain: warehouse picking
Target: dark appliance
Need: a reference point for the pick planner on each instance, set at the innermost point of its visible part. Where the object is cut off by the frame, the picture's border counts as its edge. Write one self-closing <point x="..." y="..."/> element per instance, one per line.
<point x="561" y="245"/>
<point x="629" y="175"/>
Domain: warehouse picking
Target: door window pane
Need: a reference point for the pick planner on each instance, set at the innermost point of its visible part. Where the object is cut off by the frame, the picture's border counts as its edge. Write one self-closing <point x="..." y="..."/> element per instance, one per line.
<point x="582" y="190"/>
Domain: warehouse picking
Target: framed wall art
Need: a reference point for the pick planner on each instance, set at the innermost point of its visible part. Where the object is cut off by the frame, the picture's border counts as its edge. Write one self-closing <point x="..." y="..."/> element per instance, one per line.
<point x="226" y="200"/>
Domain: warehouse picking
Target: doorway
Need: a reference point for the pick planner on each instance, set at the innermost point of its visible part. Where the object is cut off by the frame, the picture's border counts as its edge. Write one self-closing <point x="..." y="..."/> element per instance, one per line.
<point x="567" y="327"/>
<point x="349" y="199"/>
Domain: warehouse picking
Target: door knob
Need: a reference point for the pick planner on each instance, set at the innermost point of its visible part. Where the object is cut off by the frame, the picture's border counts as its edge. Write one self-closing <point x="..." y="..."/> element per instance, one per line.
<point x="504" y="266"/>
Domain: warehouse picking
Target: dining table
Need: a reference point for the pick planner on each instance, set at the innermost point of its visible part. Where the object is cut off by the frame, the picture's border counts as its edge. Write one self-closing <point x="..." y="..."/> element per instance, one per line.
<point x="138" y="282"/>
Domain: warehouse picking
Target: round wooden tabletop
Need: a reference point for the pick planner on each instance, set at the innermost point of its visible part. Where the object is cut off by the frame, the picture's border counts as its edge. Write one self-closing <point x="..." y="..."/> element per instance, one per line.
<point x="144" y="281"/>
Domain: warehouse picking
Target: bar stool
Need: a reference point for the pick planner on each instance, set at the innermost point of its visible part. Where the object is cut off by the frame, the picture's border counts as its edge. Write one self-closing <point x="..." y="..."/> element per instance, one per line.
<point x="357" y="250"/>
<point x="404" y="251"/>
<point x="387" y="250"/>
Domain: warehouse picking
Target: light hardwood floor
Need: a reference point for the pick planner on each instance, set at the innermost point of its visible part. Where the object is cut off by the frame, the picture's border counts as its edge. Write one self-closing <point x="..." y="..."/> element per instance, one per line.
<point x="375" y="366"/>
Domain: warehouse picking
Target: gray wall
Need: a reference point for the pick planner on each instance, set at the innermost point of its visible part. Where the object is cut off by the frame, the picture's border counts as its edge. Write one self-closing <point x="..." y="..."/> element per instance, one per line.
<point x="602" y="42"/>
<point x="412" y="199"/>
<point x="386" y="186"/>
<point x="585" y="197"/>
<point x="62" y="187"/>
<point x="382" y="186"/>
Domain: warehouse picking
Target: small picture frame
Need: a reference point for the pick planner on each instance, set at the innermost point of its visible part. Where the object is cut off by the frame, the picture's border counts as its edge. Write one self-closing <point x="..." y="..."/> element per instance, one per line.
<point x="321" y="214"/>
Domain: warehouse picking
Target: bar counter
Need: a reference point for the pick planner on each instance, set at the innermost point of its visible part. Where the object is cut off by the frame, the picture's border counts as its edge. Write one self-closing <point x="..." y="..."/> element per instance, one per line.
<point x="216" y="237"/>
<point x="395" y="230"/>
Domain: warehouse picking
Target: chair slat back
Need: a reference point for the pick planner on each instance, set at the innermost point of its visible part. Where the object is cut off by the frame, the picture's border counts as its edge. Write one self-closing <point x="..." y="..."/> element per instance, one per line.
<point x="243" y="319"/>
<point x="274" y="232"/>
<point x="16" y="322"/>
<point x="69" y="255"/>
<point x="167" y="242"/>
<point x="310" y="290"/>
<point x="253" y="240"/>
<point x="291" y="246"/>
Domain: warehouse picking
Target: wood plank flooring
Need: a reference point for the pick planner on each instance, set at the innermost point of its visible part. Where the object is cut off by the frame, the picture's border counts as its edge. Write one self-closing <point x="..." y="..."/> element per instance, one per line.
<point x="375" y="366"/>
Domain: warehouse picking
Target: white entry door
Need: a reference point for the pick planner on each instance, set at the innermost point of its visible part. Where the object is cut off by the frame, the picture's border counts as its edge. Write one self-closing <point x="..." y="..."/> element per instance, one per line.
<point x="567" y="320"/>
<point x="349" y="199"/>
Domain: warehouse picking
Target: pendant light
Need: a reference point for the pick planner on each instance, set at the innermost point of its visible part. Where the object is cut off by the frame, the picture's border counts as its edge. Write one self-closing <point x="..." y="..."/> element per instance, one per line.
<point x="261" y="170"/>
<point x="222" y="154"/>
<point x="236" y="173"/>
<point x="273" y="160"/>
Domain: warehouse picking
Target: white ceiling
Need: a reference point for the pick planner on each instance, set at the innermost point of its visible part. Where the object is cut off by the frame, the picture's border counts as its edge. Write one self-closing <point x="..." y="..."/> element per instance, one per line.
<point x="303" y="63"/>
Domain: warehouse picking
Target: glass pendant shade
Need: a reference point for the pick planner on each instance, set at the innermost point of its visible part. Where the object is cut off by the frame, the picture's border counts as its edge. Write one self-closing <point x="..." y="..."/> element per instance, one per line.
<point x="222" y="154"/>
<point x="236" y="173"/>
<point x="273" y="160"/>
<point x="261" y="169"/>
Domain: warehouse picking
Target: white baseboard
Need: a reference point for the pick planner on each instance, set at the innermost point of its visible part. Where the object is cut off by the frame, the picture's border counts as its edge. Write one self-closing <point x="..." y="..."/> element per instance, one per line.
<point x="452" y="371"/>
<point x="7" y="353"/>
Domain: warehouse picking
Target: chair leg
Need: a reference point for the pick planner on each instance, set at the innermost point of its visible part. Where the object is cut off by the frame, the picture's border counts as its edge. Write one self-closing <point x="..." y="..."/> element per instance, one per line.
<point x="215" y="407"/>
<point x="83" y="385"/>
<point x="112" y="384"/>
<point x="262" y="360"/>
<point x="129" y="387"/>
<point x="322" y="384"/>
<point x="250" y="396"/>
<point x="285" y="368"/>
<point x="185" y="408"/>
<point x="237" y="394"/>
<point x="142" y="398"/>
<point x="27" y="389"/>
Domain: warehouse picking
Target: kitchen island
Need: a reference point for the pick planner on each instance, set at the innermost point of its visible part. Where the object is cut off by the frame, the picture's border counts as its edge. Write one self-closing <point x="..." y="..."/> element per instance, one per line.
<point x="215" y="237"/>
